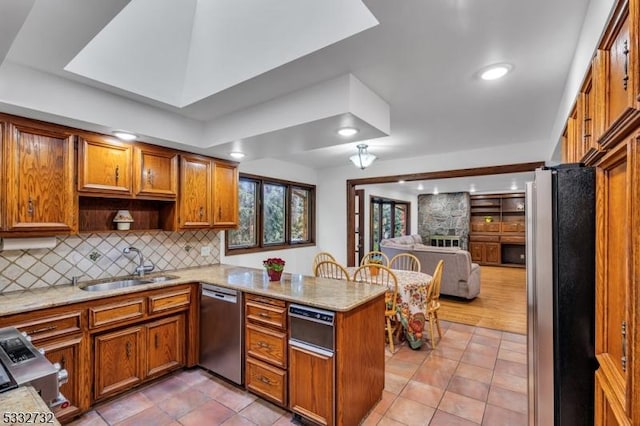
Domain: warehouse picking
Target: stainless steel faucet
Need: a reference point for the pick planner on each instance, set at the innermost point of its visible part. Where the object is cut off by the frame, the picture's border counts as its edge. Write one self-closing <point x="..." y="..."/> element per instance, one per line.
<point x="141" y="268"/>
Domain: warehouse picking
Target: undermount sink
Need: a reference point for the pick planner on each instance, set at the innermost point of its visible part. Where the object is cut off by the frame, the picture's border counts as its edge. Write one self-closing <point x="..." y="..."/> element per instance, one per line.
<point x="129" y="282"/>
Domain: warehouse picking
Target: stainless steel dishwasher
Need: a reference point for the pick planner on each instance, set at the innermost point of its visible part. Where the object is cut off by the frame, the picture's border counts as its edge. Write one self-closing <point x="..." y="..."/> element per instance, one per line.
<point x="221" y="333"/>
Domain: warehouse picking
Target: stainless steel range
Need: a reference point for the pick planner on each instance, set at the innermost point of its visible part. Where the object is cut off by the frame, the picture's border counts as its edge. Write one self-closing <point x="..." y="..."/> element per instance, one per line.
<point x="22" y="364"/>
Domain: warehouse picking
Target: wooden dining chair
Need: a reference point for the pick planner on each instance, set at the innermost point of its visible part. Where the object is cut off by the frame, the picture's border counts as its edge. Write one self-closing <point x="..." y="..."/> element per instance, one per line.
<point x="381" y="275"/>
<point x="433" y="302"/>
<point x="323" y="255"/>
<point x="405" y="261"/>
<point x="331" y="269"/>
<point x="375" y="254"/>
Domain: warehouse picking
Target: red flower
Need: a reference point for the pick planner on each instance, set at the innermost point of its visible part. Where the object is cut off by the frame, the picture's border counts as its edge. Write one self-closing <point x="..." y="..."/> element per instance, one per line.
<point x="274" y="263"/>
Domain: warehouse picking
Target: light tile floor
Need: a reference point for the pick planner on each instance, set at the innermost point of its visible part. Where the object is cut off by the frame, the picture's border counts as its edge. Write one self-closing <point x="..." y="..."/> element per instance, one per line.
<point x="475" y="376"/>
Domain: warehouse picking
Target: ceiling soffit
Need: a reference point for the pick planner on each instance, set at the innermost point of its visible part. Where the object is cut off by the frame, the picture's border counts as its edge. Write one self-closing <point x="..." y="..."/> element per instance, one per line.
<point x="181" y="52"/>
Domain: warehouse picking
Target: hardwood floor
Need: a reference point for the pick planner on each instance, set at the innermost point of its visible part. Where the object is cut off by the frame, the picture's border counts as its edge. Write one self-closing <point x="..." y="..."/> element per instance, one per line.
<point x="501" y="305"/>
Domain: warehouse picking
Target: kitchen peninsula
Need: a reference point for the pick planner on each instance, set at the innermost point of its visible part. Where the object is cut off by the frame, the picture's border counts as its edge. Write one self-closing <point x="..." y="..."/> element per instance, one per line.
<point x="95" y="319"/>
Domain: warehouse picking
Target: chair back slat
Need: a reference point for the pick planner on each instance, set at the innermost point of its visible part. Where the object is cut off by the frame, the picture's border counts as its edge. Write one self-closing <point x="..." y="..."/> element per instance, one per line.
<point x="331" y="269"/>
<point x="378" y="275"/>
<point x="435" y="282"/>
<point x="406" y="262"/>
<point x="323" y="255"/>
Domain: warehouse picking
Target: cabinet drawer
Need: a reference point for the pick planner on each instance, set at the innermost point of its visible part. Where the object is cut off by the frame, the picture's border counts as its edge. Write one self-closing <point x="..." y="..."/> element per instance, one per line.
<point x="54" y="326"/>
<point x="169" y="301"/>
<point x="267" y="381"/>
<point x="117" y="312"/>
<point x="267" y="345"/>
<point x="272" y="315"/>
<point x="481" y="238"/>
<point x="266" y="300"/>
<point x="512" y="239"/>
<point x="512" y="227"/>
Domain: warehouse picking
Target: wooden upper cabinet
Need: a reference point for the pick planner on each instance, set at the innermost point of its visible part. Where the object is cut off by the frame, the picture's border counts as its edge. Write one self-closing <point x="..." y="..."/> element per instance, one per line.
<point x="225" y="195"/>
<point x="617" y="58"/>
<point x="39" y="178"/>
<point x="195" y="192"/>
<point x="104" y="166"/>
<point x="156" y="172"/>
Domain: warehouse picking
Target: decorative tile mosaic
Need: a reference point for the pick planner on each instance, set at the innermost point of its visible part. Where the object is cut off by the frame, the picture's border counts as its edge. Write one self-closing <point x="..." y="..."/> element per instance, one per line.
<point x="94" y="256"/>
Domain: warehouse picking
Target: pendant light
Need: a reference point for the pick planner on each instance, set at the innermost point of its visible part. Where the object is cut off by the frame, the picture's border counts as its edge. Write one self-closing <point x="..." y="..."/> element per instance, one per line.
<point x="362" y="159"/>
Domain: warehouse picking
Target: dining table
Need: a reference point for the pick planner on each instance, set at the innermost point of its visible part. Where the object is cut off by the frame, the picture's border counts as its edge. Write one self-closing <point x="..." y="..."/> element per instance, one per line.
<point x="410" y="303"/>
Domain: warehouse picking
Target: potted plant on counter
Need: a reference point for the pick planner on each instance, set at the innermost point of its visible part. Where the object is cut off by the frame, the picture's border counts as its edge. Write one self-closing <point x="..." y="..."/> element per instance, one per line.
<point x="274" y="267"/>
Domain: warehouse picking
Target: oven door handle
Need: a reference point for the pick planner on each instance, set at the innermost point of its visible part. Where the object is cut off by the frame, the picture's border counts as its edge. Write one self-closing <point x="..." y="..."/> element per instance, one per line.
<point x="307" y="347"/>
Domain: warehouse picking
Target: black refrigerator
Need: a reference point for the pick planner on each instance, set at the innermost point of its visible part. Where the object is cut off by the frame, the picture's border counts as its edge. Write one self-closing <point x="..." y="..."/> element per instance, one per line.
<point x="560" y="212"/>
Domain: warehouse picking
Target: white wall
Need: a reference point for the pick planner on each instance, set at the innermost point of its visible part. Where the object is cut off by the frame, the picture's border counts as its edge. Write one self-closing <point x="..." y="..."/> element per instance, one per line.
<point x="298" y="260"/>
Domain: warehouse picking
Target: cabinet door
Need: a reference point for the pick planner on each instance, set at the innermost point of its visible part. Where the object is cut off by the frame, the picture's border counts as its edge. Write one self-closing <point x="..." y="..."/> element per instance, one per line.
<point x="104" y="166"/>
<point x="492" y="252"/>
<point x="605" y="414"/>
<point x="67" y="353"/>
<point x="118" y="361"/>
<point x="477" y="251"/>
<point x="618" y="56"/>
<point x="195" y="192"/>
<point x="617" y="206"/>
<point x="165" y="345"/>
<point x="40" y="172"/>
<point x="225" y="195"/>
<point x="156" y="172"/>
<point x="311" y="385"/>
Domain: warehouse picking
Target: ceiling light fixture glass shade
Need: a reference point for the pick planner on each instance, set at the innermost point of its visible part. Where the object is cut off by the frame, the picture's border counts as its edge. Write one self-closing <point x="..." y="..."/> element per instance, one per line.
<point x="347" y="131"/>
<point x="125" y="136"/>
<point x="362" y="159"/>
<point x="495" y="72"/>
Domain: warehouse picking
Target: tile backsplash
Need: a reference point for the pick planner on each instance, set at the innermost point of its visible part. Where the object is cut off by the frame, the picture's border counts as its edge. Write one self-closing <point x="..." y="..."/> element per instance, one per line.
<point x="93" y="256"/>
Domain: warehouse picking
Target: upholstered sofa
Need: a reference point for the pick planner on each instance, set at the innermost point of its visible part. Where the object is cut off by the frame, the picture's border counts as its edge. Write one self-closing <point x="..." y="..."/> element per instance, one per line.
<point x="460" y="277"/>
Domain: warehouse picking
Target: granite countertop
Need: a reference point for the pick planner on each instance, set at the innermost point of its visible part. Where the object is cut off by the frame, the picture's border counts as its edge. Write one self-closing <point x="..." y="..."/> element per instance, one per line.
<point x="23" y="406"/>
<point x="334" y="295"/>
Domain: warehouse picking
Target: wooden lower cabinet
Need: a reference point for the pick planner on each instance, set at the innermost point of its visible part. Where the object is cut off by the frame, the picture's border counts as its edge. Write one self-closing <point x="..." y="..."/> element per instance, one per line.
<point x="165" y="345"/>
<point x="118" y="361"/>
<point x="484" y="252"/>
<point x="266" y="348"/>
<point x="311" y="390"/>
<point x="68" y="353"/>
<point x="267" y="381"/>
<point x="126" y="357"/>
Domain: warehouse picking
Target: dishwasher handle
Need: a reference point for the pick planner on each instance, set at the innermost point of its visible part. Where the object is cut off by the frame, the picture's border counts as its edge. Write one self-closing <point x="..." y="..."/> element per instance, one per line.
<point x="229" y="298"/>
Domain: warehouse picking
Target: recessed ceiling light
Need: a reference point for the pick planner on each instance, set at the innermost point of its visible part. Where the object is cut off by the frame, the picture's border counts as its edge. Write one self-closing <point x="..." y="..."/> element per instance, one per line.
<point x="125" y="136"/>
<point x="237" y="154"/>
<point x="494" y="72"/>
<point x="347" y="131"/>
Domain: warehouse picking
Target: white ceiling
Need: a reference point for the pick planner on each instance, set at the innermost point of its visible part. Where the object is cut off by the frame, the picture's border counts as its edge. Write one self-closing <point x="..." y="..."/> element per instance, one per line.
<point x="421" y="60"/>
<point x="502" y="183"/>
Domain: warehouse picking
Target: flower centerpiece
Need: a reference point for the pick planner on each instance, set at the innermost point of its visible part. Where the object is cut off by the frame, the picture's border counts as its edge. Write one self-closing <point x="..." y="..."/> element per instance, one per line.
<point x="274" y="267"/>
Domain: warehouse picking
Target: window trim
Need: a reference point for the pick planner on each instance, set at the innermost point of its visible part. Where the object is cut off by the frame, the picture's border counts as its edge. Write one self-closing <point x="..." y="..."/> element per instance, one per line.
<point x="376" y="199"/>
<point x="260" y="247"/>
